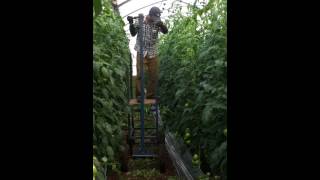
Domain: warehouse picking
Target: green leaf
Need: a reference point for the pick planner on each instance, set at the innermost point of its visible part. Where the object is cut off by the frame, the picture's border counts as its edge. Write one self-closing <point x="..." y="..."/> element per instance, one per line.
<point x="97" y="4"/>
<point x="206" y="114"/>
<point x="100" y="176"/>
<point x="179" y="93"/>
<point x="108" y="128"/>
<point x="110" y="152"/>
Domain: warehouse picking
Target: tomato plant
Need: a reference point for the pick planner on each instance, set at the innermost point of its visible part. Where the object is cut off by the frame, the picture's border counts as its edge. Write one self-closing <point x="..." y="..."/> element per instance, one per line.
<point x="193" y="82"/>
<point x="111" y="58"/>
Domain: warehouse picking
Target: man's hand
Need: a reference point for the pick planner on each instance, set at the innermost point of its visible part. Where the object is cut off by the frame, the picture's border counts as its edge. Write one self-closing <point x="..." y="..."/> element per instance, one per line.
<point x="130" y="19"/>
<point x="132" y="28"/>
<point x="159" y="24"/>
<point x="163" y="28"/>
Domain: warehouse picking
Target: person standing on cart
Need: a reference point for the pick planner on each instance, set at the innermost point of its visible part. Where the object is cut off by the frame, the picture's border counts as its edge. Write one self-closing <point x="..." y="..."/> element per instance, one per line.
<point x="152" y="25"/>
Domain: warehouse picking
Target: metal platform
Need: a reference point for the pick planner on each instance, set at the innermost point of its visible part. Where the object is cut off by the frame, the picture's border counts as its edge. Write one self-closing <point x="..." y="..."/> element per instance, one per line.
<point x="144" y="155"/>
<point x="146" y="152"/>
<point x="146" y="101"/>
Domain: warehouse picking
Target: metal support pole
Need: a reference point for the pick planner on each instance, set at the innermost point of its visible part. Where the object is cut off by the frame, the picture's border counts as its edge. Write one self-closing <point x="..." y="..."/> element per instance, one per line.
<point x="130" y="95"/>
<point x="141" y="17"/>
<point x="130" y="79"/>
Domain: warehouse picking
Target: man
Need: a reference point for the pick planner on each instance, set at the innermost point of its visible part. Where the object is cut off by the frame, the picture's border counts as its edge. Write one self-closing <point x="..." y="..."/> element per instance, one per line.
<point x="151" y="27"/>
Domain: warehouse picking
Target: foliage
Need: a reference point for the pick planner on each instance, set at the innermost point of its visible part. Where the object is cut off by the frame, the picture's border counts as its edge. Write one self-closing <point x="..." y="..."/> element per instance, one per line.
<point x="193" y="80"/>
<point x="111" y="58"/>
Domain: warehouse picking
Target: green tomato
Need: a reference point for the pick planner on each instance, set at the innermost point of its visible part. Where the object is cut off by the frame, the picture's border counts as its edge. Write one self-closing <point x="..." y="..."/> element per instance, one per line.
<point x="187" y="135"/>
<point x="104" y="159"/>
<point x="188" y="142"/>
<point x="195" y="162"/>
<point x="195" y="157"/>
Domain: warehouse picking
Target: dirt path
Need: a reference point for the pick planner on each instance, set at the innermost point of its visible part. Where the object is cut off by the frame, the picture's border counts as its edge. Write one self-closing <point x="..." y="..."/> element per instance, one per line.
<point x="146" y="168"/>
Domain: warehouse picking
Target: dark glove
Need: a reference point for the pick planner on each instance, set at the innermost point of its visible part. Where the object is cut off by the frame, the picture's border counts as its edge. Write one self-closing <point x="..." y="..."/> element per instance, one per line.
<point x="163" y="28"/>
<point x="130" y="19"/>
<point x="159" y="24"/>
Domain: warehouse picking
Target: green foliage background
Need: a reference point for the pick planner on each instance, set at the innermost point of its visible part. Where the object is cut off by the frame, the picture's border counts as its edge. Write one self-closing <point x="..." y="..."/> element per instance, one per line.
<point x="111" y="59"/>
<point x="193" y="80"/>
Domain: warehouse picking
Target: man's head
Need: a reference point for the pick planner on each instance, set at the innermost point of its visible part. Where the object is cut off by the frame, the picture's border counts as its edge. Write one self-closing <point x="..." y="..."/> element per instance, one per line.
<point x="155" y="14"/>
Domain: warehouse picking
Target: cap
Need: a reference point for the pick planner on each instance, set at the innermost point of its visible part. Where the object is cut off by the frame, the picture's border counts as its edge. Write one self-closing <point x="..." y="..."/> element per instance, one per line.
<point x="155" y="11"/>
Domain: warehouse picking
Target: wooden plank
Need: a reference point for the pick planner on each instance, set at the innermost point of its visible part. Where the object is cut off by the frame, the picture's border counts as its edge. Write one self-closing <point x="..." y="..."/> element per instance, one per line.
<point x="146" y="101"/>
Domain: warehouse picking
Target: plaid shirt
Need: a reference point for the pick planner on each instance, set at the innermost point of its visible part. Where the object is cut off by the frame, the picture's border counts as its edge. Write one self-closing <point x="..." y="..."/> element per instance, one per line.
<point x="150" y="36"/>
